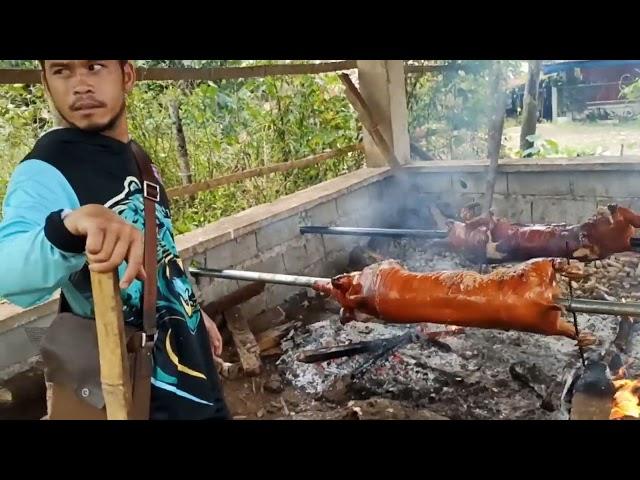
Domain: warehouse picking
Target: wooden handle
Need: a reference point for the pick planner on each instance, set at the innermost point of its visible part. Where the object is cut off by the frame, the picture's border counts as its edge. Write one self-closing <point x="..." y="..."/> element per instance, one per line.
<point x="114" y="368"/>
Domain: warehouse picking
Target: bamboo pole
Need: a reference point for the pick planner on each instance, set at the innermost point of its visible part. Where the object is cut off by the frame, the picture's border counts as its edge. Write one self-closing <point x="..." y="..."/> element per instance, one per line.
<point x="114" y="368"/>
<point x="260" y="171"/>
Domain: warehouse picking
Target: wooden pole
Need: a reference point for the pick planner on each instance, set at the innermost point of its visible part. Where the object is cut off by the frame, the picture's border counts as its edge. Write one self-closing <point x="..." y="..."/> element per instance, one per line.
<point x="367" y="120"/>
<point x="114" y="368"/>
<point x="530" y="110"/>
<point x="260" y="171"/>
<point x="496" y="127"/>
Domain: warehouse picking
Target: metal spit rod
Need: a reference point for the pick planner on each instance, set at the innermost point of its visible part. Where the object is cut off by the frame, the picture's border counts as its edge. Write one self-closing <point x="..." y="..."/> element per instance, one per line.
<point x="630" y="309"/>
<point x="388" y="232"/>
<point x="373" y="232"/>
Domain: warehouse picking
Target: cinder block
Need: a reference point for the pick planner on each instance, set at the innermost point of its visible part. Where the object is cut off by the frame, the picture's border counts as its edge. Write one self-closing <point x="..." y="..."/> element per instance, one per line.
<point x="323" y="214"/>
<point x="316" y="269"/>
<point x="217" y="288"/>
<point x="516" y="208"/>
<point x="254" y="306"/>
<point x="278" y="233"/>
<point x="267" y="264"/>
<point x="355" y="201"/>
<point x="540" y="183"/>
<point x="232" y="253"/>
<point x="556" y="210"/>
<point x="315" y="249"/>
<point x="295" y="259"/>
<point x="335" y="264"/>
<point x="339" y="243"/>
<point x="477" y="183"/>
<point x="606" y="184"/>
<point x="425" y="182"/>
<point x="277" y="294"/>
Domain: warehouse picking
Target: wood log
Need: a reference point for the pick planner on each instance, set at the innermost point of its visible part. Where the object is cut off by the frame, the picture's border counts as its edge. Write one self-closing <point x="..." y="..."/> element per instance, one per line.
<point x="245" y="342"/>
<point x="233" y="299"/>
<point x="271" y="338"/>
<point x="114" y="368"/>
<point x="268" y="319"/>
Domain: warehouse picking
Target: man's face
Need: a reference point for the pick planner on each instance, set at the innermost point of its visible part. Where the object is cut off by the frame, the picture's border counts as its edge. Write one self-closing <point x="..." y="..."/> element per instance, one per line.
<point x="89" y="94"/>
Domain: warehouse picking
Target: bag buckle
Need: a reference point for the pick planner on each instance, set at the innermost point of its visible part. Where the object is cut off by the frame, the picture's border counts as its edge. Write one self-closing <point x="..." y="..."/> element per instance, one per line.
<point x="149" y="339"/>
<point x="155" y="192"/>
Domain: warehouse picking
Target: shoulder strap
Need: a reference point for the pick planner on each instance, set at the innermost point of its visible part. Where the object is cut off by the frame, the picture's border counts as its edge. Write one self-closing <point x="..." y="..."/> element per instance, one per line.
<point x="151" y="193"/>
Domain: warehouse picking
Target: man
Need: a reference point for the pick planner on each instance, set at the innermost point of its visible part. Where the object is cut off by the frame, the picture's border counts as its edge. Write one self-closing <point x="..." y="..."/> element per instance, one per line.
<point x="75" y="204"/>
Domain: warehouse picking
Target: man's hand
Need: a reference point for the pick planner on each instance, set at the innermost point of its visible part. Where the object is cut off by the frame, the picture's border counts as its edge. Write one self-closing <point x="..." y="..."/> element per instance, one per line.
<point x="110" y="241"/>
<point x="214" y="335"/>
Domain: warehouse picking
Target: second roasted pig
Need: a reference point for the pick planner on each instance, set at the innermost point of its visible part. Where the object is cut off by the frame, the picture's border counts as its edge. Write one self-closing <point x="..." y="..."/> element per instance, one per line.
<point x="489" y="239"/>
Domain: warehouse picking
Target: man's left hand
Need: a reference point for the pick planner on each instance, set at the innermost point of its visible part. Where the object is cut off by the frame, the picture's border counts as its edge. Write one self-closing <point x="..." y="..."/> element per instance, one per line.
<point x="214" y="335"/>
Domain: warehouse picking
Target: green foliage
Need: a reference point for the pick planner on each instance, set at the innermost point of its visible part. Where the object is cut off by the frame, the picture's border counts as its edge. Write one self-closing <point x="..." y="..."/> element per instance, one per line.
<point x="449" y="111"/>
<point x="230" y="126"/>
<point x="631" y="92"/>
<point x="548" y="148"/>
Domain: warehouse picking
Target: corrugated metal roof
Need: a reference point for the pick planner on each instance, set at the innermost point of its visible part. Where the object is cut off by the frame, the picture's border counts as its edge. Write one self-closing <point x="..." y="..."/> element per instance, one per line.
<point x="563" y="65"/>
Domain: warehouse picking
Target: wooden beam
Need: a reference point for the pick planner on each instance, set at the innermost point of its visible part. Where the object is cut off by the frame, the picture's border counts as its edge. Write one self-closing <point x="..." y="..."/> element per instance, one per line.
<point x="381" y="84"/>
<point x="29" y="76"/>
<point x="368" y="122"/>
<point x="233" y="299"/>
<point x="260" y="171"/>
<point x="424" y="69"/>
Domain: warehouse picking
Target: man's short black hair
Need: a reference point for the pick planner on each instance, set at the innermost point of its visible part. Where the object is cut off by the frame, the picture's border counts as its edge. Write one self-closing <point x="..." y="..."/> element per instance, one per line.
<point x="122" y="63"/>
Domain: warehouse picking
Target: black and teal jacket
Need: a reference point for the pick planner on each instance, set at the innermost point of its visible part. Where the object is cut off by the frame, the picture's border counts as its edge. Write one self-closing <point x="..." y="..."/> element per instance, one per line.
<point x="66" y="169"/>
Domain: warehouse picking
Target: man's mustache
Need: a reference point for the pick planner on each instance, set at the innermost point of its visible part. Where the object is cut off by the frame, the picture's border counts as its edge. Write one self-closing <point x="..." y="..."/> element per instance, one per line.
<point x="87" y="102"/>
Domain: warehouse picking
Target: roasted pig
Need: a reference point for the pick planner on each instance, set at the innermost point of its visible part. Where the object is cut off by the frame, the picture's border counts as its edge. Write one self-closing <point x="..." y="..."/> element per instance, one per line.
<point x="486" y="238"/>
<point x="519" y="298"/>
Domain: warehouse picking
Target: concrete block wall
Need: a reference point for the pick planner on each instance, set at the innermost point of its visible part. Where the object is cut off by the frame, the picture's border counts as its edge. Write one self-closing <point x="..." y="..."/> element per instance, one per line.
<point x="548" y="191"/>
<point x="273" y="242"/>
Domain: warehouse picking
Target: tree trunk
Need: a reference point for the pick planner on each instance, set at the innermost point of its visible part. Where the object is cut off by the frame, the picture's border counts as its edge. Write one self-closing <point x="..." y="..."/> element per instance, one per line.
<point x="496" y="126"/>
<point x="530" y="107"/>
<point x="183" y="154"/>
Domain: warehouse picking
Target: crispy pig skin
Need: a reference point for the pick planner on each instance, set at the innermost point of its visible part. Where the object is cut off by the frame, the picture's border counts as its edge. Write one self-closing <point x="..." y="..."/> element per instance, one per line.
<point x="519" y="298"/>
<point x="490" y="239"/>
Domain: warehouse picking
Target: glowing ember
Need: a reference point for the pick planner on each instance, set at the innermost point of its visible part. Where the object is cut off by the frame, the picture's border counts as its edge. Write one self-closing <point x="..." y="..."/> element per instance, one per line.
<point x="626" y="402"/>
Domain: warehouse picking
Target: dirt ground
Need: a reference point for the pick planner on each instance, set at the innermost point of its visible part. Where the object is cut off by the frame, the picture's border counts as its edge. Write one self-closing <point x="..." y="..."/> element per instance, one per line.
<point x="607" y="137"/>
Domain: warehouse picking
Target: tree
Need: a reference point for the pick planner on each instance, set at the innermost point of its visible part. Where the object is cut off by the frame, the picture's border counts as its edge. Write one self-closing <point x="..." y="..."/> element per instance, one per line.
<point x="496" y="127"/>
<point x="530" y="111"/>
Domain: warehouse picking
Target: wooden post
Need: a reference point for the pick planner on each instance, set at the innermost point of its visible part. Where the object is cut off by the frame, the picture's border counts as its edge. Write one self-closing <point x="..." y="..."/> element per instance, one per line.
<point x="114" y="368"/>
<point x="496" y="127"/>
<point x="530" y="108"/>
<point x="370" y="124"/>
<point x="382" y="85"/>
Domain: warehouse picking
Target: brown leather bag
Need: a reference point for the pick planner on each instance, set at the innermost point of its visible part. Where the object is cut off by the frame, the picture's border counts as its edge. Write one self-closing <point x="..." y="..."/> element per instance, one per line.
<point x="70" y="347"/>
